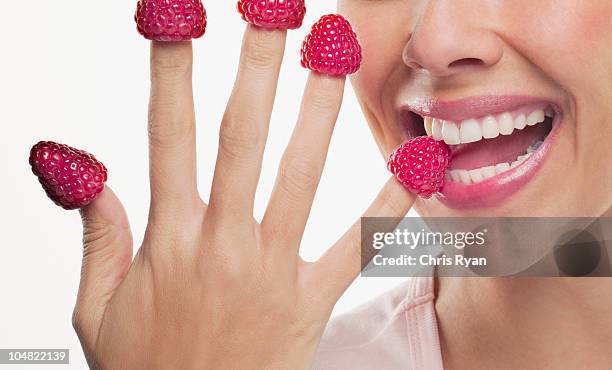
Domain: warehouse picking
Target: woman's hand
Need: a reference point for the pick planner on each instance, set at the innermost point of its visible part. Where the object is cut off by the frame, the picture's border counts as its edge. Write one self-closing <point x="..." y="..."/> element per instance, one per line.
<point x="211" y="288"/>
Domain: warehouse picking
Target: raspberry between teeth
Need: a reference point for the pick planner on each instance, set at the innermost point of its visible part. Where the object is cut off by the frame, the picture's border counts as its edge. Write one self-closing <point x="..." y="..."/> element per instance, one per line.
<point x="72" y="178"/>
<point x="420" y="165"/>
<point x="170" y="20"/>
<point x="332" y="47"/>
<point x="273" y="14"/>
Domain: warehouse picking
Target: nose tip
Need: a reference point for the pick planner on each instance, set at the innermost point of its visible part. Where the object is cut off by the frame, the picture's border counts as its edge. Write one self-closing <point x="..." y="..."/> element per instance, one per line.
<point x="443" y="43"/>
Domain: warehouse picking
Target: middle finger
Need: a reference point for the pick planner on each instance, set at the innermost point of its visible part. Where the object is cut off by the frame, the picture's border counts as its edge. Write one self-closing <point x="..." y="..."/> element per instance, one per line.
<point x="244" y="129"/>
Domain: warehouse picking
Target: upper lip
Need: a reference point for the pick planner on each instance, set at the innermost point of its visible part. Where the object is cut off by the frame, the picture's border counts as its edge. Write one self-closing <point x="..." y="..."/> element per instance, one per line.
<point x="471" y="107"/>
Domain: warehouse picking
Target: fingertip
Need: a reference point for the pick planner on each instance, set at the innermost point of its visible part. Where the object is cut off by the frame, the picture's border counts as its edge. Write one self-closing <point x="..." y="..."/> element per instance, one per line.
<point x="262" y="50"/>
<point x="170" y="58"/>
<point x="168" y="47"/>
<point x="324" y="94"/>
<point x="107" y="209"/>
<point x="332" y="81"/>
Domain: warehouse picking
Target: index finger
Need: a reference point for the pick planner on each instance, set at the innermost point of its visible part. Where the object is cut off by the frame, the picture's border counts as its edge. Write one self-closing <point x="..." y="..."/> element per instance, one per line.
<point x="304" y="159"/>
<point x="342" y="263"/>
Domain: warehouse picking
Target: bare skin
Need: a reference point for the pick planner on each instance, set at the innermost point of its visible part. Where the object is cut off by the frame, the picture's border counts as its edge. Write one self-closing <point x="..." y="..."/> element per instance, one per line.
<point x="209" y="282"/>
<point x="526" y="323"/>
<point x="246" y="280"/>
<point x="451" y="49"/>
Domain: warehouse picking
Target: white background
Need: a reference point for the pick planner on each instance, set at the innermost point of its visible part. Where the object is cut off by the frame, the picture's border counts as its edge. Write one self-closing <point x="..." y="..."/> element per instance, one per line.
<point x="77" y="72"/>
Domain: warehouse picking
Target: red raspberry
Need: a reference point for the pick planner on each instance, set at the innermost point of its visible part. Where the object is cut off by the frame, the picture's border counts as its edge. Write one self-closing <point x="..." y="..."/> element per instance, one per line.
<point x="332" y="47"/>
<point x="171" y="20"/>
<point x="273" y="14"/>
<point x="420" y="165"/>
<point x="72" y="178"/>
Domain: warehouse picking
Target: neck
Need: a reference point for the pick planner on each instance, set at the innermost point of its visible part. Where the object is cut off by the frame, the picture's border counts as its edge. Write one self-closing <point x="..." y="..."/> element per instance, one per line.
<point x="511" y="322"/>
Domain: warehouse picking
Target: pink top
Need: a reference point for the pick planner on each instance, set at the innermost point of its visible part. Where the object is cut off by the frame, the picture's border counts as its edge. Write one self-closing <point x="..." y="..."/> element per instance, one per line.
<point x="397" y="330"/>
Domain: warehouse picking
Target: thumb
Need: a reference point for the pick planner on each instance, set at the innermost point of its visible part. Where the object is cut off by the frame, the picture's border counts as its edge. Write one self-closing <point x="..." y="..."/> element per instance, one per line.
<point x="107" y="256"/>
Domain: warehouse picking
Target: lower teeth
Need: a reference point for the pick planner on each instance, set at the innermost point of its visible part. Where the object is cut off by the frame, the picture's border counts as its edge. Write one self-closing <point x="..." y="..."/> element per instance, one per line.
<point x="480" y="174"/>
<point x="534" y="146"/>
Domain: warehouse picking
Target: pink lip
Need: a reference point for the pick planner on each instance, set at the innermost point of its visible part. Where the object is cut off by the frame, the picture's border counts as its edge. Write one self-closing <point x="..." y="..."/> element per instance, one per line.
<point x="472" y="107"/>
<point x="496" y="190"/>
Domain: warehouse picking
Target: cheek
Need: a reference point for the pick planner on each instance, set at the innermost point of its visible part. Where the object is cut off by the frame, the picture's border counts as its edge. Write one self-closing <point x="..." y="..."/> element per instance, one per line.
<point x="571" y="44"/>
<point x="569" y="39"/>
<point x="382" y="46"/>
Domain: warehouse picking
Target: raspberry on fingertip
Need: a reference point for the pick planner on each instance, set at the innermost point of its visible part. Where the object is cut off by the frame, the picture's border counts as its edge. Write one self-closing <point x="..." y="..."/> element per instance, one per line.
<point x="420" y="165"/>
<point x="332" y="47"/>
<point x="273" y="14"/>
<point x="171" y="20"/>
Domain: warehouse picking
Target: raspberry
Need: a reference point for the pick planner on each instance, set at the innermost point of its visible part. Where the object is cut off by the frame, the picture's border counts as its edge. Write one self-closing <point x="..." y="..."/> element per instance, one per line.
<point x="332" y="47"/>
<point x="273" y="14"/>
<point x="420" y="165"/>
<point x="171" y="20"/>
<point x="72" y="178"/>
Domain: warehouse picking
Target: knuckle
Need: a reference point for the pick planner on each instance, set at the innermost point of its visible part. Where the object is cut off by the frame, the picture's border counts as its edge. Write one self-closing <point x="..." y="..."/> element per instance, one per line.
<point x="259" y="51"/>
<point x="169" y="130"/>
<point x="298" y="176"/>
<point x="96" y="232"/>
<point x="354" y="250"/>
<point x="353" y="242"/>
<point x="238" y="137"/>
<point x="77" y="321"/>
<point x="235" y="271"/>
<point x="389" y="200"/>
<point x="174" y="238"/>
<point x="170" y="68"/>
<point x="325" y="101"/>
<point x="100" y="238"/>
<point x="351" y="251"/>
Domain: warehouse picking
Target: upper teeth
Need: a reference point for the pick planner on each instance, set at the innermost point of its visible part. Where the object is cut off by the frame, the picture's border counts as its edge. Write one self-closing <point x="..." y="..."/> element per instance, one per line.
<point x="489" y="127"/>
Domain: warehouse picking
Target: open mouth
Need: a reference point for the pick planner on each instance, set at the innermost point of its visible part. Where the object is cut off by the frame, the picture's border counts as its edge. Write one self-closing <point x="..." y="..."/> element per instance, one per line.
<point x="497" y="144"/>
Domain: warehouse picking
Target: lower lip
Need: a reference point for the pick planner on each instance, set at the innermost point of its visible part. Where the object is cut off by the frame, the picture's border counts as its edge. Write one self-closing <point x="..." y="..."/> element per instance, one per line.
<point x="494" y="191"/>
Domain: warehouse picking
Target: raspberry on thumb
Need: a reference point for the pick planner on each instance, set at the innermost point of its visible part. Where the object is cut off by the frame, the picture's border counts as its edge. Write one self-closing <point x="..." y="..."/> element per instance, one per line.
<point x="332" y="47"/>
<point x="71" y="177"/>
<point x="273" y="14"/>
<point x="420" y="165"/>
<point x="170" y="20"/>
